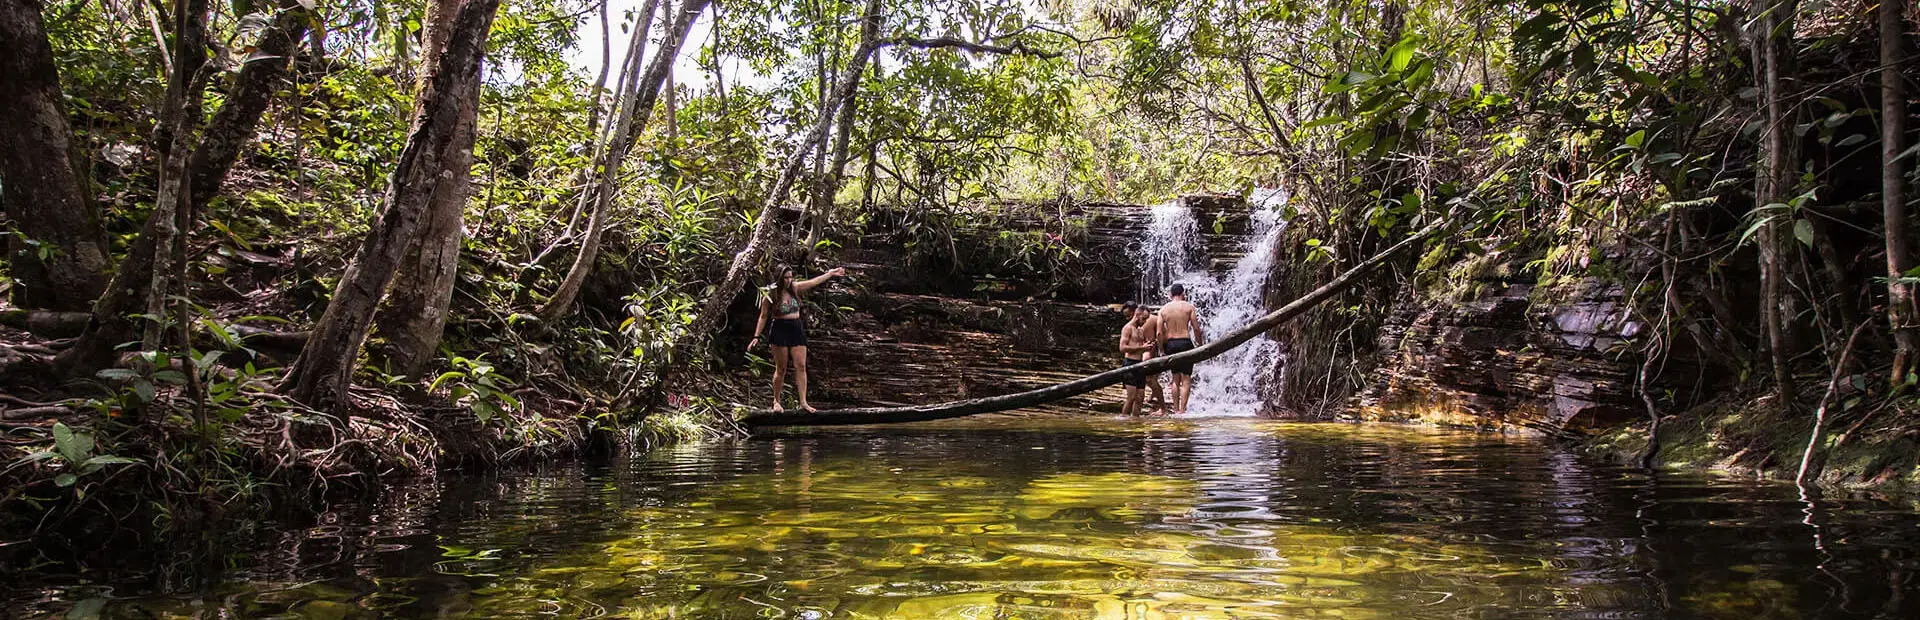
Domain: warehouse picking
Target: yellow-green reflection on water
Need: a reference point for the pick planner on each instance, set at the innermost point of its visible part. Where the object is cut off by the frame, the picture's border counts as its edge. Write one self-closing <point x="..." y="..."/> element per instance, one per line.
<point x="1102" y="518"/>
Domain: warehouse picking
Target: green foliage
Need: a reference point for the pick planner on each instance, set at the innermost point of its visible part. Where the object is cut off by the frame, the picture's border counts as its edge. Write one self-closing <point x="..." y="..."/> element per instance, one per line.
<point x="73" y="455"/>
<point x="473" y="383"/>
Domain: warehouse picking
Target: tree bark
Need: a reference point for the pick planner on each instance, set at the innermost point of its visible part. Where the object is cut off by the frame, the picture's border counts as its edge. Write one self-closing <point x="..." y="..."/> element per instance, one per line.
<point x="1774" y="180"/>
<point x="920" y="413"/>
<point x="415" y="315"/>
<point x="822" y="205"/>
<point x="321" y="375"/>
<point x="1809" y="471"/>
<point x="1260" y="100"/>
<point x="182" y="98"/>
<point x="633" y="119"/>
<point x="232" y="127"/>
<point x="749" y="256"/>
<point x="173" y="134"/>
<point x="1893" y="188"/>
<point x="57" y="251"/>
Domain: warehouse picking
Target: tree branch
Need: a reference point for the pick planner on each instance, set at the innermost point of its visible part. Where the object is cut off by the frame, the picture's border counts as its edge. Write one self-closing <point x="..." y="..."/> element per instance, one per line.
<point x="1017" y="48"/>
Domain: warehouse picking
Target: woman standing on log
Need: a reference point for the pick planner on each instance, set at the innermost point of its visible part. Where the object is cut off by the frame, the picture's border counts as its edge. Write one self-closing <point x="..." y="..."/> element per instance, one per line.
<point x="789" y="334"/>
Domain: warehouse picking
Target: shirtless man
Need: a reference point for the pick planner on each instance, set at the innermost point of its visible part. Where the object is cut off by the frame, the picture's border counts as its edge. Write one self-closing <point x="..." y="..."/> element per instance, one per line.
<point x="1153" y="381"/>
<point x="1180" y="332"/>
<point x="1134" y="345"/>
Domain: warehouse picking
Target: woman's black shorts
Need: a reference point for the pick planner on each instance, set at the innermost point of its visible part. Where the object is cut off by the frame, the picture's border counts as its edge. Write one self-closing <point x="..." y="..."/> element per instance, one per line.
<point x="787" y="333"/>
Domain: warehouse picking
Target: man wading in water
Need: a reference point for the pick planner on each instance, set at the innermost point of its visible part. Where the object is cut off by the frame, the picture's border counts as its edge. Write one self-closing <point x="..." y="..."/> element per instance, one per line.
<point x="1179" y="333"/>
<point x="1135" y="344"/>
<point x="1153" y="380"/>
<point x="789" y="337"/>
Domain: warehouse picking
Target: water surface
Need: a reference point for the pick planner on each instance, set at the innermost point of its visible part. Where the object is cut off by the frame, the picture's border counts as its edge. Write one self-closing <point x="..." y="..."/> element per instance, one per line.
<point x="1028" y="518"/>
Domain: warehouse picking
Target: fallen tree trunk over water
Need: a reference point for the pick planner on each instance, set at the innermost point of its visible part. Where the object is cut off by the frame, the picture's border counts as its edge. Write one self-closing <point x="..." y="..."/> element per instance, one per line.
<point x="1007" y="402"/>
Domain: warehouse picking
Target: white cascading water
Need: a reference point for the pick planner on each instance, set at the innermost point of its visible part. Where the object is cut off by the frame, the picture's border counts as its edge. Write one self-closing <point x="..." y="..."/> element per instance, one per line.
<point x="1174" y="251"/>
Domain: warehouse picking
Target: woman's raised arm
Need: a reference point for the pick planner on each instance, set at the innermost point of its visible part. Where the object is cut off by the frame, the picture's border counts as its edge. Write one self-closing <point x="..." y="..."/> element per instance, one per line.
<point x="808" y="284"/>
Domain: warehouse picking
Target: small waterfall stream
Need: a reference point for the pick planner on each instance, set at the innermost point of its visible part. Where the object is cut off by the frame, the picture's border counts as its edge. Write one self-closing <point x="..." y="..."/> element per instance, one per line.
<point x="1173" y="250"/>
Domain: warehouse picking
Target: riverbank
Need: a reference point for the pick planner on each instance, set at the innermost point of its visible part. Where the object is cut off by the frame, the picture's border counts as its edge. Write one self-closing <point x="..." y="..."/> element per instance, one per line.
<point x="1739" y="435"/>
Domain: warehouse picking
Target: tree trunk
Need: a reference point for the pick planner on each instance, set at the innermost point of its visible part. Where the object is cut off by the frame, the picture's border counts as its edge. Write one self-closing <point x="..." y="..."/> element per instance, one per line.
<point x="57" y="252"/>
<point x="172" y="137"/>
<point x="182" y="98"/>
<point x="325" y="368"/>
<point x="633" y="119"/>
<point x="822" y="206"/>
<point x="232" y="127"/>
<point x="1893" y="188"/>
<point x="749" y="256"/>
<point x="1774" y="182"/>
<point x="919" y="413"/>
<point x="416" y="312"/>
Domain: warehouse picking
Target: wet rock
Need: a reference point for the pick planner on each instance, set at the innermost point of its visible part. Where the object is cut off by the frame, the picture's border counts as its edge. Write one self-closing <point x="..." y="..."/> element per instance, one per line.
<point x="1508" y="361"/>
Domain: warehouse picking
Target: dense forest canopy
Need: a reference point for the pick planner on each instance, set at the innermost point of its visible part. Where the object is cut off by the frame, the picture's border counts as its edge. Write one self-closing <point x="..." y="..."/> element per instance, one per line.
<point x="223" y="212"/>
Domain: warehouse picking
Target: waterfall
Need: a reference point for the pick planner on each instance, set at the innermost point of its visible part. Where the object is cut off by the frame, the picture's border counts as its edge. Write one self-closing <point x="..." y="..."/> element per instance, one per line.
<point x="1174" y="251"/>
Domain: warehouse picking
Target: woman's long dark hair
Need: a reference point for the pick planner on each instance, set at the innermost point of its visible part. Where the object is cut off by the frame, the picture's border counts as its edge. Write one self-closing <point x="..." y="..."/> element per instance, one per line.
<point x="782" y="283"/>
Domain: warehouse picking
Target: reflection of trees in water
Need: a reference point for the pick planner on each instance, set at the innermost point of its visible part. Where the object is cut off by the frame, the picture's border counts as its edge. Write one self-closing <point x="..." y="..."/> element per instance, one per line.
<point x="1166" y="516"/>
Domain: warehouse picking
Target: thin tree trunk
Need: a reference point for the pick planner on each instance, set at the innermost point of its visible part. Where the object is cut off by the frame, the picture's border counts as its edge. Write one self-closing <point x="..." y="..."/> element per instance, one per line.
<point x="415" y="315"/>
<point x="822" y="205"/>
<point x="231" y="128"/>
<point x="189" y="56"/>
<point x="317" y="39"/>
<point x="606" y="66"/>
<point x="581" y="178"/>
<point x="321" y="375"/>
<point x="633" y="119"/>
<point x="918" y="413"/>
<point x="1260" y="100"/>
<point x="179" y="118"/>
<point x="1809" y="471"/>
<point x="629" y="72"/>
<point x="1893" y="188"/>
<point x="1774" y="182"/>
<point x="671" y="96"/>
<point x="749" y="256"/>
<point x="58" y="254"/>
<point x="234" y="125"/>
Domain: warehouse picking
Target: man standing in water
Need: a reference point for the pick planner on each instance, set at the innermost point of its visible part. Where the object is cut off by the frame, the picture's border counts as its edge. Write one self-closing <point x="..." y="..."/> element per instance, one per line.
<point x="1135" y="342"/>
<point x="1153" y="380"/>
<point x="1179" y="333"/>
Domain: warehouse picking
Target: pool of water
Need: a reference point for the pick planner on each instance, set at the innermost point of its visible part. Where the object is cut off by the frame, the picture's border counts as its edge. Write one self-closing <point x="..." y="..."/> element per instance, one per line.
<point x="1028" y="518"/>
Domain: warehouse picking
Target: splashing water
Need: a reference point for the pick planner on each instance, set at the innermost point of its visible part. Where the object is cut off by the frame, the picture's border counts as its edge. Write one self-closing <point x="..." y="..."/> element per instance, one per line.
<point x="1174" y="251"/>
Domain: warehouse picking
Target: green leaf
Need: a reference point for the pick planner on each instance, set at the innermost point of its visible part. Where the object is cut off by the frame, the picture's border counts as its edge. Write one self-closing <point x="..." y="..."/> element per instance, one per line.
<point x="37" y="456"/>
<point x="1637" y="138"/>
<point x="445" y="376"/>
<point x="144" y="390"/>
<point x="1803" y="230"/>
<point x="1402" y="53"/>
<point x="65" y="480"/>
<point x="1324" y="121"/>
<point x="74" y="447"/>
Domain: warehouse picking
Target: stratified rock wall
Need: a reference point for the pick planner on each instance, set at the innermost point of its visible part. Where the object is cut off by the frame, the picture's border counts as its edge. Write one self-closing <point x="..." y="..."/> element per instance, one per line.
<point x="1508" y="359"/>
<point x="969" y="322"/>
